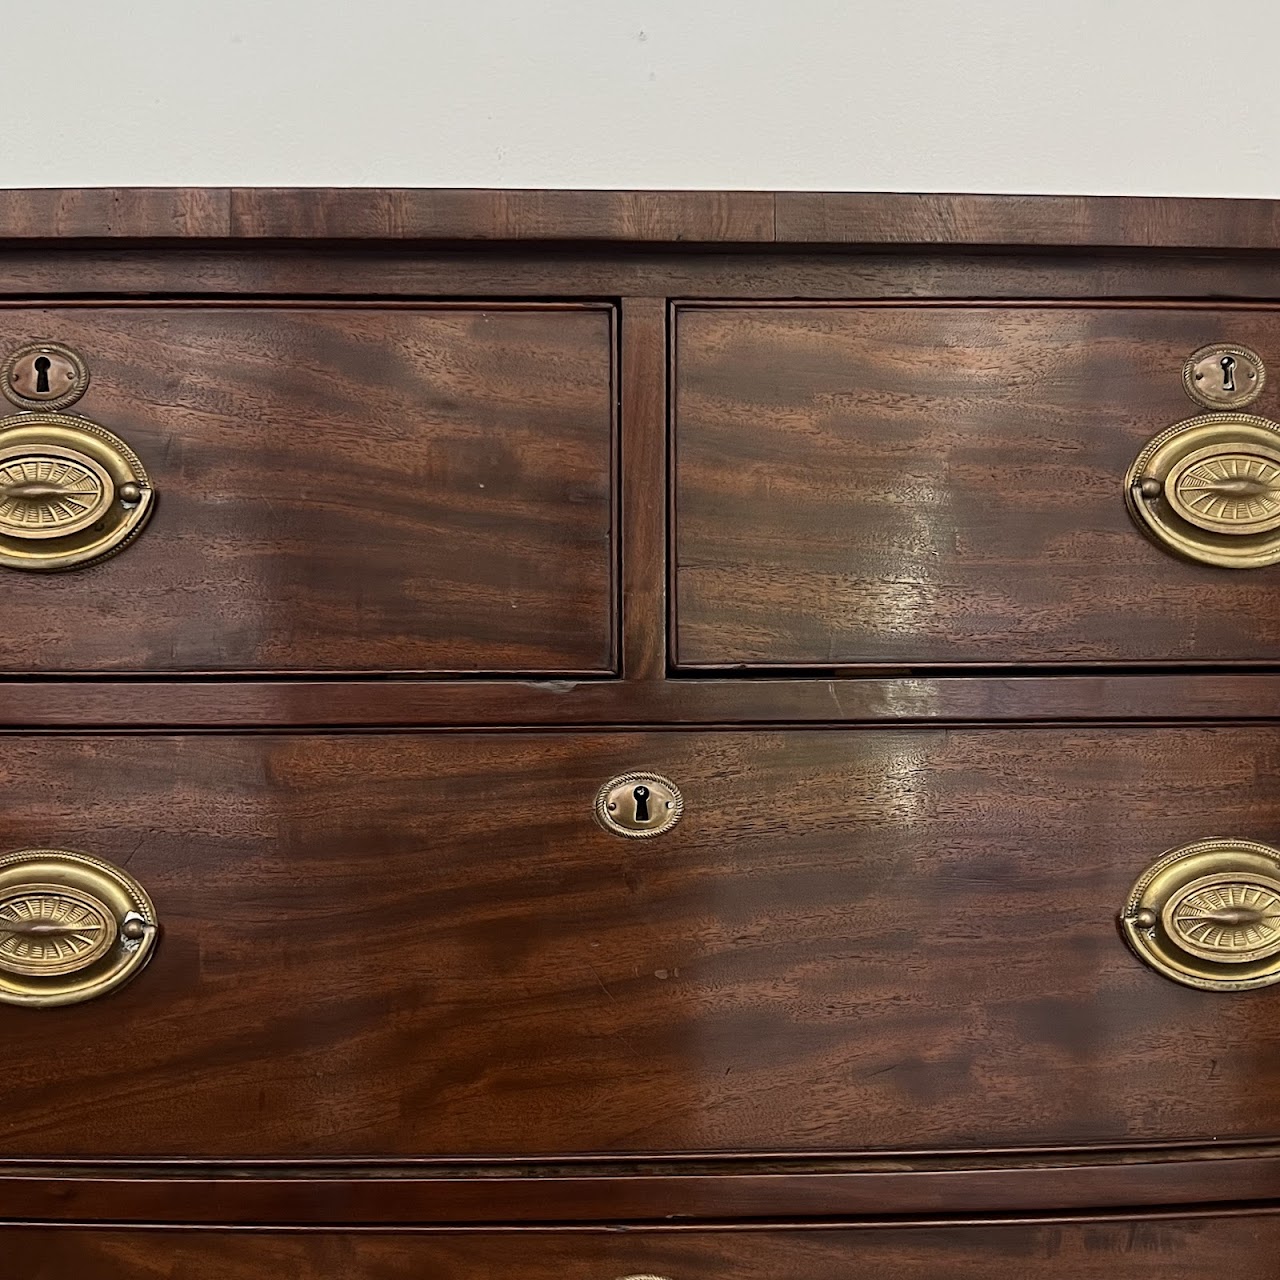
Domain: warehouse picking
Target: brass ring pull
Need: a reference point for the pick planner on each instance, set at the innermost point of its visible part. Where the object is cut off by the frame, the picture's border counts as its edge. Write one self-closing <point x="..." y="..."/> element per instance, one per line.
<point x="72" y="927"/>
<point x="1208" y="915"/>
<point x="1208" y="490"/>
<point x="71" y="493"/>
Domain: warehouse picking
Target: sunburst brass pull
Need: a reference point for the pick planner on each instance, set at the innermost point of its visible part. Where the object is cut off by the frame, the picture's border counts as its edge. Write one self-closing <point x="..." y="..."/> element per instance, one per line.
<point x="71" y="493"/>
<point x="1208" y="489"/>
<point x="1208" y="915"/>
<point x="71" y="927"/>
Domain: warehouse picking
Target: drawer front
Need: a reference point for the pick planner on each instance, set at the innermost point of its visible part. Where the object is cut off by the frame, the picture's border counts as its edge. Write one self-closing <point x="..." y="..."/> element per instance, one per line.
<point x="425" y="944"/>
<point x="340" y="488"/>
<point x="1242" y="1246"/>
<point x="939" y="485"/>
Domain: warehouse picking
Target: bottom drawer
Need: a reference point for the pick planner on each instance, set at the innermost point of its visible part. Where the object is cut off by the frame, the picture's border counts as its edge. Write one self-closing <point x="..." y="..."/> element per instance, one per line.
<point x="1242" y="1246"/>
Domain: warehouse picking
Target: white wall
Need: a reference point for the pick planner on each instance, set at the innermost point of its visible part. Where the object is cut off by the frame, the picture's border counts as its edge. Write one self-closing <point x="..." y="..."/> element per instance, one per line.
<point x="1142" y="96"/>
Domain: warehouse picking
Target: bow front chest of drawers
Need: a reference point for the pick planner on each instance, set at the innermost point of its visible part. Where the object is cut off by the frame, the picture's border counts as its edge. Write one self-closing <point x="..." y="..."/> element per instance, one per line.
<point x="639" y="735"/>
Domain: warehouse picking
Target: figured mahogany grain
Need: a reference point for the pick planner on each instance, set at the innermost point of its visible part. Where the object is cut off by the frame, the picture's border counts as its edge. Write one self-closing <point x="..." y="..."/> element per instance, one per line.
<point x="303" y="269"/>
<point x="415" y="214"/>
<point x="404" y="977"/>
<point x="1241" y="1246"/>
<point x="341" y="489"/>
<point x="943" y="485"/>
<point x="688" y="217"/>
<point x="114" y="213"/>
<point x="849" y="217"/>
<point x="1001" y="697"/>
<point x="396" y="946"/>
<point x="644" y="481"/>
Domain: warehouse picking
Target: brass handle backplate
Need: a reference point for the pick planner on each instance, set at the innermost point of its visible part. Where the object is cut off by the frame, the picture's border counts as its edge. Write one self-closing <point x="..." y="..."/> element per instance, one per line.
<point x="71" y="493"/>
<point x="71" y="927"/>
<point x="1208" y="489"/>
<point x="1208" y="915"/>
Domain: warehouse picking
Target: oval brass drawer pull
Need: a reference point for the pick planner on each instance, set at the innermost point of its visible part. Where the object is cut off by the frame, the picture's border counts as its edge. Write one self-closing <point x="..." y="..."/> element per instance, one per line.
<point x="71" y="927"/>
<point x="1208" y="489"/>
<point x="1208" y="915"/>
<point x="71" y="493"/>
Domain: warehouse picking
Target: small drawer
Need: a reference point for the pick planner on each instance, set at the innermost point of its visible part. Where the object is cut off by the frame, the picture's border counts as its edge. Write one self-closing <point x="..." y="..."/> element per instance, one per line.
<point x="404" y="945"/>
<point x="337" y="488"/>
<point x="934" y="485"/>
<point x="1242" y="1246"/>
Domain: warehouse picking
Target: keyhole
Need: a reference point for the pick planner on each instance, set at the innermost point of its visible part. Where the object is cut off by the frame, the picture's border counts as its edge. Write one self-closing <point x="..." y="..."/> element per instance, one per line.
<point x="641" y="796"/>
<point x="1228" y="364"/>
<point x="42" y="374"/>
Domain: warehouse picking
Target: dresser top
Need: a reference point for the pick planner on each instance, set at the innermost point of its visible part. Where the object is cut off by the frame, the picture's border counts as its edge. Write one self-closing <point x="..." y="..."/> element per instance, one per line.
<point x="650" y="217"/>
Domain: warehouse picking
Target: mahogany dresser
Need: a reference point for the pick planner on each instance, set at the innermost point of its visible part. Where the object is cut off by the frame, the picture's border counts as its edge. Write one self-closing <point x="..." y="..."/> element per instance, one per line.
<point x="613" y="736"/>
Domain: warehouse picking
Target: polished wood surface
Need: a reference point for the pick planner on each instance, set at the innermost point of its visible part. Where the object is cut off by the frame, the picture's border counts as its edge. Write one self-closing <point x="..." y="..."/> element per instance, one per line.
<point x="644" y="418"/>
<point x="423" y="945"/>
<point x="650" y="1190"/>
<point x="943" y="485"/>
<point x="362" y="488"/>
<point x="689" y="217"/>
<point x="657" y="272"/>
<point x="1003" y="696"/>
<point x="1242" y="1246"/>
<point x="449" y="482"/>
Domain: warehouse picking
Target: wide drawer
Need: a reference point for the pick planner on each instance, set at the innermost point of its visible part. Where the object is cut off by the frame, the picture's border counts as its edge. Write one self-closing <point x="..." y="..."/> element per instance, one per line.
<point x="393" y="945"/>
<point x="340" y="488"/>
<point x="946" y="484"/>
<point x="1242" y="1246"/>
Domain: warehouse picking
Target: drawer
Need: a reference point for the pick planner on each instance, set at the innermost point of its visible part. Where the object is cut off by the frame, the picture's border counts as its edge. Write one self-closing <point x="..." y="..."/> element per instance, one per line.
<point x="414" y="944"/>
<point x="946" y="484"/>
<point x="1241" y="1245"/>
<point x="340" y="488"/>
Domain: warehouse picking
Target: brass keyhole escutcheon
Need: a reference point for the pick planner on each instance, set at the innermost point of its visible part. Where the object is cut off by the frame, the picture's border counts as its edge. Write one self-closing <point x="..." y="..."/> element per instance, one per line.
<point x="44" y="375"/>
<point x="71" y="492"/>
<point x="1207" y="915"/>
<point x="1208" y="489"/>
<point x="639" y="805"/>
<point x="1224" y="376"/>
<point x="72" y="927"/>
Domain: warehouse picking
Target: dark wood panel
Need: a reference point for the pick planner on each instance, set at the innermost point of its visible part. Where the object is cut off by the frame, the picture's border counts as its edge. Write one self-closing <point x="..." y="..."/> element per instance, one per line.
<point x="407" y="214"/>
<point x="1004" y="697"/>
<point x="1159" y="1248"/>
<point x="341" y="488"/>
<point x="1034" y="221"/>
<point x="736" y="217"/>
<point x="644" y="483"/>
<point x="402" y="946"/>
<point x="932" y="485"/>
<point x="404" y="977"/>
<point x="306" y="270"/>
<point x="178" y="213"/>
<point x="653" y="1191"/>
